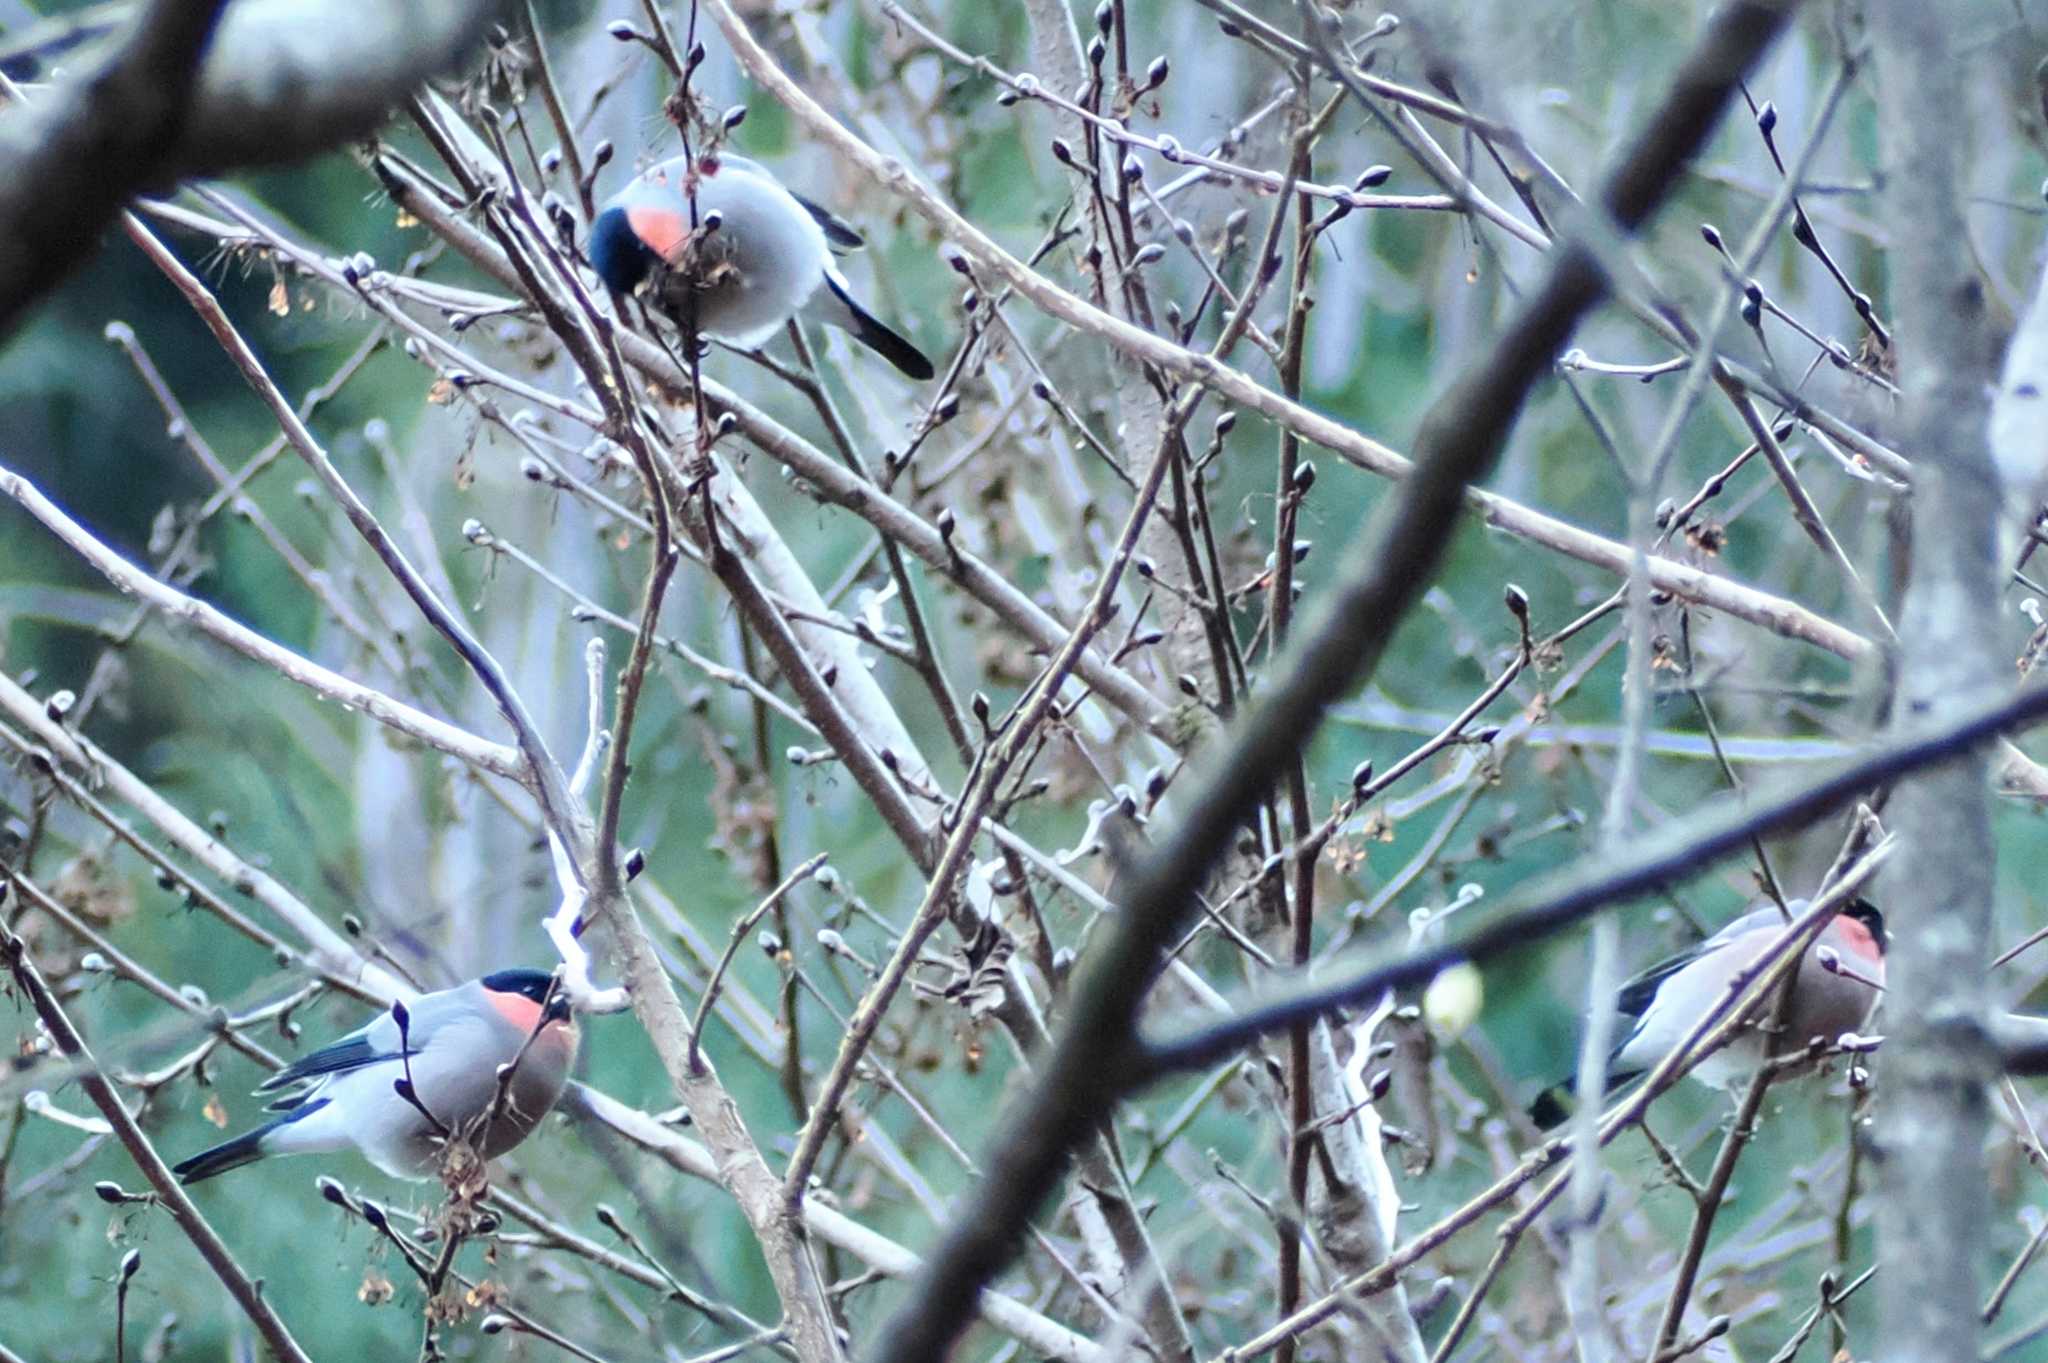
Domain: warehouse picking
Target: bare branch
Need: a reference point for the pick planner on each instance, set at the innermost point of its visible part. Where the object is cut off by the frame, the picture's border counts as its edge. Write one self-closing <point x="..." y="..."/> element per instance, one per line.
<point x="279" y="81"/>
<point x="439" y="734"/>
<point x="1460" y="439"/>
<point x="247" y="1293"/>
<point x="543" y="776"/>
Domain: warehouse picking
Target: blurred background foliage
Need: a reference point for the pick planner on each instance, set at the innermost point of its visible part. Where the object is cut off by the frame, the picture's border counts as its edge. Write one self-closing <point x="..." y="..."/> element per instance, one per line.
<point x="449" y="879"/>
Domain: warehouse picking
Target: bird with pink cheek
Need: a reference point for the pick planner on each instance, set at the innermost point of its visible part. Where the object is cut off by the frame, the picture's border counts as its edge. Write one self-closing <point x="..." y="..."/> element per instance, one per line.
<point x="724" y="245"/>
<point x="398" y="1087"/>
<point x="1831" y="996"/>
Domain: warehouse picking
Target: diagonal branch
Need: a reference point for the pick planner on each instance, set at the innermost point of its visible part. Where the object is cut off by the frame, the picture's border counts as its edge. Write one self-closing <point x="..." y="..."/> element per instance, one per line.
<point x="1659" y="858"/>
<point x="1458" y="443"/>
<point x="247" y="1292"/>
<point x="280" y="80"/>
<point x="543" y="775"/>
<point x="481" y="753"/>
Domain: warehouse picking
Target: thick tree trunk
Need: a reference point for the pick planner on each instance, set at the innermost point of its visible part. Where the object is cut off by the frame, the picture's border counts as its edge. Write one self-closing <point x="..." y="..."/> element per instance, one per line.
<point x="1938" y="1061"/>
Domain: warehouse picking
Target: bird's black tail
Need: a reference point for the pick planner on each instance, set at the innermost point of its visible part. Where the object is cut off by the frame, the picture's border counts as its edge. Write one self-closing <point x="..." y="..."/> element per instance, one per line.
<point x="1554" y="1104"/>
<point x="246" y="1148"/>
<point x="873" y="333"/>
<point x="243" y="1149"/>
<point x="1551" y="1107"/>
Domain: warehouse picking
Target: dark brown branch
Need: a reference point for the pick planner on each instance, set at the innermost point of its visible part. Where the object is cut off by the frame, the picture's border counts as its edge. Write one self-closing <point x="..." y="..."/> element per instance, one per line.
<point x="1301" y="819"/>
<point x="1458" y="443"/>
<point x="1680" y="849"/>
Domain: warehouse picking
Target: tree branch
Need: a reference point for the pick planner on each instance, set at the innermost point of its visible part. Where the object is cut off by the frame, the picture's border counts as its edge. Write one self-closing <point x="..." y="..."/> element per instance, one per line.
<point x="1458" y="443"/>
<point x="496" y="758"/>
<point x="247" y="1292"/>
<point x="1933" y="1206"/>
<point x="1655" y="859"/>
<point x="543" y="776"/>
<point x="279" y="81"/>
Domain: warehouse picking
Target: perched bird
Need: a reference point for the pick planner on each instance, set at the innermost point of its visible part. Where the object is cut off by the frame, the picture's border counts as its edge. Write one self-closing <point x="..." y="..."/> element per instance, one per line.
<point x="758" y="255"/>
<point x="1670" y="998"/>
<point x="448" y="1046"/>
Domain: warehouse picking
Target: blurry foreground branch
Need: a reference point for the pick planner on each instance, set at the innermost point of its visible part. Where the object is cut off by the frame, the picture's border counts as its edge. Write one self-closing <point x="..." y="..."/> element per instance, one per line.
<point x="280" y="80"/>
<point x="1932" y="1198"/>
<point x="1340" y="644"/>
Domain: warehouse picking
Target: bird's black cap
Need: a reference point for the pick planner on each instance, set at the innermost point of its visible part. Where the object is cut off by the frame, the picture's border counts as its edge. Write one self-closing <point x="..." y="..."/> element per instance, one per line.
<point x="1867" y="913"/>
<point x="538" y="985"/>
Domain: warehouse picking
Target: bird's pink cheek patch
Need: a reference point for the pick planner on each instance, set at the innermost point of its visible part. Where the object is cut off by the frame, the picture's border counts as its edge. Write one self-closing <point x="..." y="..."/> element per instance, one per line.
<point x="1857" y="937"/>
<point x="517" y="1009"/>
<point x="662" y="231"/>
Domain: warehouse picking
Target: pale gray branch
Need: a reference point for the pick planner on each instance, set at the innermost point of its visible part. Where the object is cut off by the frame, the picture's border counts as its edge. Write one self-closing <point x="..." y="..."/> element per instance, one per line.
<point x="1933" y="1195"/>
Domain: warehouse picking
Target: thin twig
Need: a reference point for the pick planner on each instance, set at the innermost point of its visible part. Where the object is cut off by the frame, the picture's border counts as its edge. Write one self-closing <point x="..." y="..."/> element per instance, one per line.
<point x="739" y="933"/>
<point x="247" y="1293"/>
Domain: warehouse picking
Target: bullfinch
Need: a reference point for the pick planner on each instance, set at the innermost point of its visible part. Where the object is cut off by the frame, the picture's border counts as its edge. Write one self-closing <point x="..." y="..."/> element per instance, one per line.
<point x="1669" y="998"/>
<point x="449" y="1051"/>
<point x="762" y="255"/>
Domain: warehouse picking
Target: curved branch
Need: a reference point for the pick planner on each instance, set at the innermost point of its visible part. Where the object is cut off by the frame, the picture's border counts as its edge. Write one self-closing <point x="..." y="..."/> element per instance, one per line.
<point x="278" y="81"/>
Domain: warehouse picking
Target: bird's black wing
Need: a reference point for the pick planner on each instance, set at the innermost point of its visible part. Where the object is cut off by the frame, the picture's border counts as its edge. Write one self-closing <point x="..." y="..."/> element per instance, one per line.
<point x="1631" y="1001"/>
<point x="352" y="1052"/>
<point x="1635" y="996"/>
<point x="840" y="237"/>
